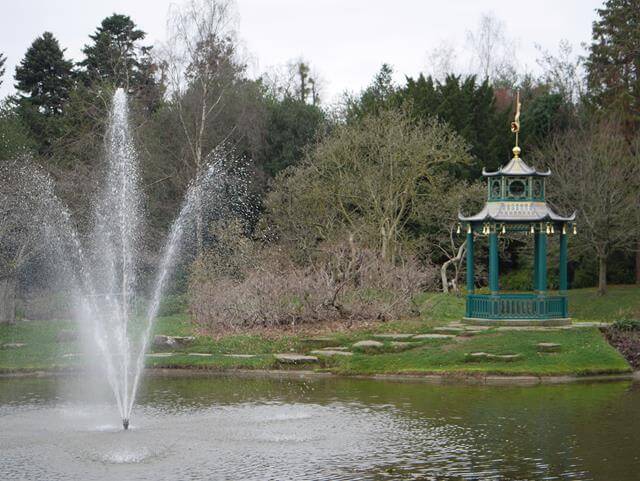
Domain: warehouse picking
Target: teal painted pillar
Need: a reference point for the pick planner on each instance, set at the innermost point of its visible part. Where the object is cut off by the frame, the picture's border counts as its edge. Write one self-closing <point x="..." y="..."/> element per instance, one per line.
<point x="536" y="256"/>
<point x="542" y="262"/>
<point x="564" y="281"/>
<point x="494" y="286"/>
<point x="470" y="262"/>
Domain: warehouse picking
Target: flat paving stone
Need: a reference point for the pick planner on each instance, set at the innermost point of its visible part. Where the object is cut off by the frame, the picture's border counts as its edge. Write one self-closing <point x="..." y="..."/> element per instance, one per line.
<point x="160" y="354"/>
<point x="448" y="330"/>
<point x="433" y="336"/>
<point x="393" y="336"/>
<point x="335" y="348"/>
<point x="240" y="356"/>
<point x="287" y="358"/>
<point x="548" y="347"/>
<point x="201" y="354"/>
<point x="14" y="345"/>
<point x="368" y="343"/>
<point x="485" y="356"/>
<point x="330" y="353"/>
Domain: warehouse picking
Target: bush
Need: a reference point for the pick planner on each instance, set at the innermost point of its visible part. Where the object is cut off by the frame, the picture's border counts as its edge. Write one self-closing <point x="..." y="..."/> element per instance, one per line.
<point x="343" y="284"/>
<point x="626" y="324"/>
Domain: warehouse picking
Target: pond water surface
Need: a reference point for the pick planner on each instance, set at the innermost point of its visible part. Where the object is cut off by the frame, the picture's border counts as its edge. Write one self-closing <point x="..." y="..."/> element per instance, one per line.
<point x="255" y="428"/>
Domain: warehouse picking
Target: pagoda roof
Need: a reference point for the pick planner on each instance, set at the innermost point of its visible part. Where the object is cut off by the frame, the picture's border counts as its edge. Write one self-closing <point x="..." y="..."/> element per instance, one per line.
<point x="516" y="166"/>
<point x="516" y="212"/>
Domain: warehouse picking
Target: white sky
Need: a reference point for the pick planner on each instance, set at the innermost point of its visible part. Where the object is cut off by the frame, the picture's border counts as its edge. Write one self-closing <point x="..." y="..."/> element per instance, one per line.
<point x="346" y="41"/>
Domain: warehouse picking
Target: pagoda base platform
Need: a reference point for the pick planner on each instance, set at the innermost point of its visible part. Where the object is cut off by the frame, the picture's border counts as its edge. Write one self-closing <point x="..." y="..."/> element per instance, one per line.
<point x="517" y="322"/>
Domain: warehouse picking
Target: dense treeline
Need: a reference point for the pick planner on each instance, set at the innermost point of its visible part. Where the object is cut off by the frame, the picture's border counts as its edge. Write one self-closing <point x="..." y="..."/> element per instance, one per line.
<point x="337" y="193"/>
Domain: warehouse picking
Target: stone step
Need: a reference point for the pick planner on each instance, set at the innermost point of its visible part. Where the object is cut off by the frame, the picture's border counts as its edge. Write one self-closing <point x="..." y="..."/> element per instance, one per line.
<point x="294" y="358"/>
<point x="548" y="347"/>
<point x="433" y="336"/>
<point x="393" y="336"/>
<point x="330" y="353"/>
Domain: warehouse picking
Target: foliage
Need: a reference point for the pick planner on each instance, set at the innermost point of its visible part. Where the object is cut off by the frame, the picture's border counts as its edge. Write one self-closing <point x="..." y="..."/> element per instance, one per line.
<point x="44" y="80"/>
<point x="44" y="76"/>
<point x="117" y="57"/>
<point x="626" y="324"/>
<point x="291" y="125"/>
<point x="596" y="174"/>
<point x="612" y="64"/>
<point x="470" y="108"/>
<point x="363" y="181"/>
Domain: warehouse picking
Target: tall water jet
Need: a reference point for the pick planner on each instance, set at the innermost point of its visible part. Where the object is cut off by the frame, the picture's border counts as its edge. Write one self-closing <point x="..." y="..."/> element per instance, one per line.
<point x="103" y="278"/>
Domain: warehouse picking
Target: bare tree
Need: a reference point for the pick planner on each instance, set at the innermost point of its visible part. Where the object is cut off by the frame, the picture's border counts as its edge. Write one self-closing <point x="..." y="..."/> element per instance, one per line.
<point x="202" y="66"/>
<point x="442" y="60"/>
<point x="564" y="71"/>
<point x="597" y="174"/>
<point x="493" y="51"/>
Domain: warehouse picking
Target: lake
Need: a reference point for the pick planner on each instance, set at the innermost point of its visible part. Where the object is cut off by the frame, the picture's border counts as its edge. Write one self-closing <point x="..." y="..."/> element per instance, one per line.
<point x="319" y="428"/>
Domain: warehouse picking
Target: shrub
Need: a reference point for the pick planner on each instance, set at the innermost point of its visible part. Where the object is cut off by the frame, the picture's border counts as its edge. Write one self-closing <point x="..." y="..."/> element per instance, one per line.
<point x="626" y="324"/>
<point x="344" y="283"/>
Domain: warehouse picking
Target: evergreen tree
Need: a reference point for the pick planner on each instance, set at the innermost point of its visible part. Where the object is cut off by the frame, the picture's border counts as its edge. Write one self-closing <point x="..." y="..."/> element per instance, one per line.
<point x="44" y="77"/>
<point x="613" y="64"/>
<point x="117" y="57"/>
<point x="469" y="108"/>
<point x="291" y="125"/>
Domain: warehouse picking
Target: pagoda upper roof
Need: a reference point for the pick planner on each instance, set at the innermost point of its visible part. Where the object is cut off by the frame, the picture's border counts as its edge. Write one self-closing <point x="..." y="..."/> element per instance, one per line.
<point x="516" y="166"/>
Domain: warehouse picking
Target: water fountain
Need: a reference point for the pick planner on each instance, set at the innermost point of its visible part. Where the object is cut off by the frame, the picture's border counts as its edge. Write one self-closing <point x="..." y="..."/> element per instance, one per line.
<point x="103" y="276"/>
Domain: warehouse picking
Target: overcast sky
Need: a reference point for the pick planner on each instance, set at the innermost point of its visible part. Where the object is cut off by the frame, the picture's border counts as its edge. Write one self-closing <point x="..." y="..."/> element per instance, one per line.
<point x="345" y="41"/>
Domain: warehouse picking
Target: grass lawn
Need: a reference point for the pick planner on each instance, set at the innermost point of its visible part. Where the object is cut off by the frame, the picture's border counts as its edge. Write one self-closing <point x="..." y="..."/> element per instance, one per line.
<point x="584" y="350"/>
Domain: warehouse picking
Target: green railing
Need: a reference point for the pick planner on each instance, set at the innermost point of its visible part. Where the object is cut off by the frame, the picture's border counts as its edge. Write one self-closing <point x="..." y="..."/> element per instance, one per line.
<point x="516" y="306"/>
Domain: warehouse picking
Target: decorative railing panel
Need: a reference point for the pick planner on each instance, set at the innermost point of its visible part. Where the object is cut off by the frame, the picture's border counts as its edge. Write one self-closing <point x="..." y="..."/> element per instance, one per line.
<point x="516" y="306"/>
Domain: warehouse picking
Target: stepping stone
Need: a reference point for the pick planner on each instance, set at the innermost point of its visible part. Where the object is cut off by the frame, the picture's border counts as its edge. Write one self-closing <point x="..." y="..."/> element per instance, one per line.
<point x="476" y="356"/>
<point x="240" y="356"/>
<point x="433" y="336"/>
<point x="484" y="356"/>
<point x="13" y="345"/>
<point x="201" y="354"/>
<point x="160" y="354"/>
<point x="368" y="344"/>
<point x="393" y="336"/>
<point x="71" y="354"/>
<point x="448" y="330"/>
<point x="476" y="328"/>
<point x="402" y="346"/>
<point x="505" y="357"/>
<point x="548" y="347"/>
<point x="318" y="341"/>
<point x="295" y="358"/>
<point x="335" y="348"/>
<point x="330" y="353"/>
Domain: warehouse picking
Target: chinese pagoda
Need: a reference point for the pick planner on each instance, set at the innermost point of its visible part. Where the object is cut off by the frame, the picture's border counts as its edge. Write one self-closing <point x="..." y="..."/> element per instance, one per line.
<point x="516" y="203"/>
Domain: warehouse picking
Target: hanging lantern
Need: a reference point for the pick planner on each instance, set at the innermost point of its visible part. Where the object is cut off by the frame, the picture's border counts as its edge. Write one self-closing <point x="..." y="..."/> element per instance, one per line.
<point x="533" y="229"/>
<point x="575" y="229"/>
<point x="504" y="229"/>
<point x="468" y="228"/>
<point x="548" y="229"/>
<point x="552" y="229"/>
<point x="564" y="229"/>
<point x="458" y="229"/>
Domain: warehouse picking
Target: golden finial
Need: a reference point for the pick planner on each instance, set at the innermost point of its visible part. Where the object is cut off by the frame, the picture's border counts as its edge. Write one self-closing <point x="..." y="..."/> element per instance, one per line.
<point x="515" y="125"/>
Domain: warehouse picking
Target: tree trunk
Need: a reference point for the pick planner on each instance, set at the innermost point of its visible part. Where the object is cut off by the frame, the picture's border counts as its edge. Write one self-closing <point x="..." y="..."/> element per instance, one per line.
<point x="602" y="275"/>
<point x="8" y="299"/>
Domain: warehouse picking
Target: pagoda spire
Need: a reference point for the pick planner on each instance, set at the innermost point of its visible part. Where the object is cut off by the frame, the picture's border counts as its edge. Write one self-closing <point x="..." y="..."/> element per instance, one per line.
<point x="515" y="125"/>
